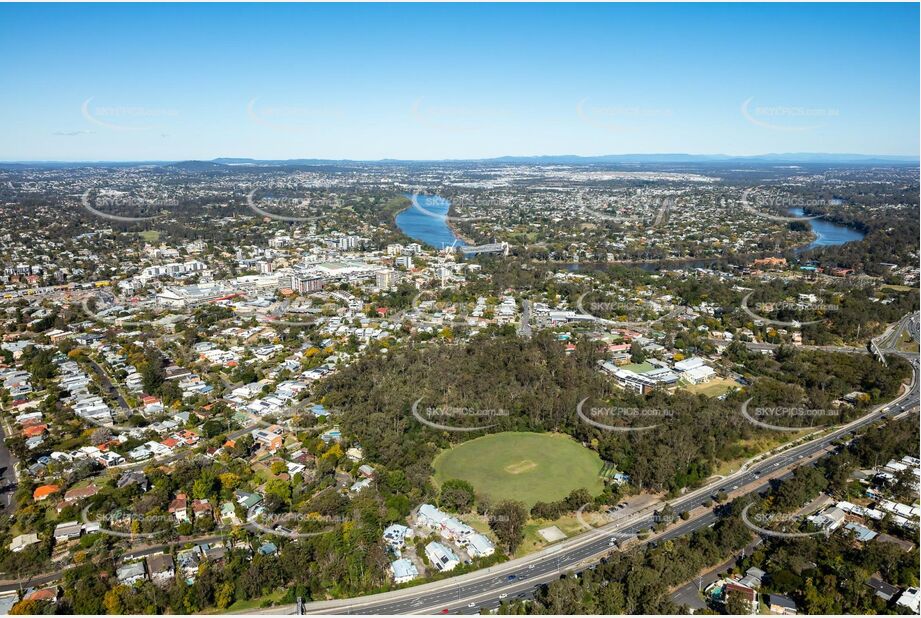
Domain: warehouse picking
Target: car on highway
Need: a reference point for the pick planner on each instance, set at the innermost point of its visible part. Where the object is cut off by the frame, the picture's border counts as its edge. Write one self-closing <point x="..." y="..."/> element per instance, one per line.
<point x="471" y="604"/>
<point x="504" y="595"/>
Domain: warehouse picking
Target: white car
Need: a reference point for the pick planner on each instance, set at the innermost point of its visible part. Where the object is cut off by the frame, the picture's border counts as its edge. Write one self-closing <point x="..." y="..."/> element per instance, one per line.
<point x="471" y="604"/>
<point x="503" y="595"/>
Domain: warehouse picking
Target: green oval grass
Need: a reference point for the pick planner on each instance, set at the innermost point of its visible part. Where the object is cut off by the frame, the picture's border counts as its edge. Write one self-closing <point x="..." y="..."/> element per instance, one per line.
<point x="522" y="466"/>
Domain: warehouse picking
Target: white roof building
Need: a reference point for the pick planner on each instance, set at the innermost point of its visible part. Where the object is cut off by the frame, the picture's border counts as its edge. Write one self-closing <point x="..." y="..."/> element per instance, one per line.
<point x="403" y="571"/>
<point x="430" y="516"/>
<point x="479" y="546"/>
<point x="441" y="557"/>
<point x="829" y="519"/>
<point x="395" y="536"/>
<point x="689" y="363"/>
<point x="22" y="541"/>
<point x="911" y="599"/>
<point x="699" y="375"/>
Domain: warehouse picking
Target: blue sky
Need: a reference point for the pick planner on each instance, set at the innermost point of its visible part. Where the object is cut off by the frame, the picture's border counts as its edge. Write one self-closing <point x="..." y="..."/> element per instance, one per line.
<point x="167" y="82"/>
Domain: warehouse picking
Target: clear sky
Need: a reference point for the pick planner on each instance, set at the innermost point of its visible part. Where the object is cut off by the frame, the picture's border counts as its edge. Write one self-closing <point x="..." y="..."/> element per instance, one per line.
<point x="415" y="81"/>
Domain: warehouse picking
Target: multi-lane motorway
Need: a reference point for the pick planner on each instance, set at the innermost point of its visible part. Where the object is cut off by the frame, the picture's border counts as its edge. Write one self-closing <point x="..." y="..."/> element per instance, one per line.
<point x="519" y="578"/>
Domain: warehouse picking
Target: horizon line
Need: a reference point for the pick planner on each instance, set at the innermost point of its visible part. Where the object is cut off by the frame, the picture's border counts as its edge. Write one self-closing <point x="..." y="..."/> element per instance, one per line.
<point x="907" y="158"/>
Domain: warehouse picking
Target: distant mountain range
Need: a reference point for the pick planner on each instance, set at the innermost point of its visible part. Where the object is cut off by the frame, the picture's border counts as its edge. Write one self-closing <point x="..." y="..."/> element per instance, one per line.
<point x="793" y="158"/>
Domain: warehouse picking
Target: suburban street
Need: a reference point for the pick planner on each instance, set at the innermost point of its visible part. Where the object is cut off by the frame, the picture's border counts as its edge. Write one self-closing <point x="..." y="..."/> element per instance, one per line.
<point x="518" y="578"/>
<point x="524" y="328"/>
<point x="8" y="477"/>
<point x="534" y="342"/>
<point x="689" y="594"/>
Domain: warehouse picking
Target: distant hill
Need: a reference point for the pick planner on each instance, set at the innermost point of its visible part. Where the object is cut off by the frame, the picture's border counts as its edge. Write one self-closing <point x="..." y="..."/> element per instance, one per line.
<point x="197" y="166"/>
<point x="795" y="157"/>
<point x="227" y="163"/>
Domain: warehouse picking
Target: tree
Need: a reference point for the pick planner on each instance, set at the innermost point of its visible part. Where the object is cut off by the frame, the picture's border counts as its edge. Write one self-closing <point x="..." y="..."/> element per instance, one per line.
<point x="223" y="597"/>
<point x="507" y="521"/>
<point x="30" y="608"/>
<point x="737" y="604"/>
<point x="636" y="353"/>
<point x="152" y="374"/>
<point x="112" y="600"/>
<point x="278" y="489"/>
<point x="205" y="485"/>
<point x="100" y="435"/>
<point x="229" y="482"/>
<point x="456" y="496"/>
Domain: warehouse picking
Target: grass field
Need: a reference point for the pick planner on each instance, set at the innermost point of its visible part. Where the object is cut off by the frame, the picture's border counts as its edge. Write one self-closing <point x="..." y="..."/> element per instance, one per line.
<point x="150" y="235"/>
<point x="907" y="344"/>
<point x="713" y="388"/>
<point x="528" y="467"/>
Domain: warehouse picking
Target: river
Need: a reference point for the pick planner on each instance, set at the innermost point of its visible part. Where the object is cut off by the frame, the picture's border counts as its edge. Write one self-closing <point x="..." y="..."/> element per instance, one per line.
<point x="827" y="234"/>
<point x="427" y="222"/>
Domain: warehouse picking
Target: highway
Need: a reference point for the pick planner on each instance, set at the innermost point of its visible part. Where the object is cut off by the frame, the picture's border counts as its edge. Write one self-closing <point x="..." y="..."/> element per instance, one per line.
<point x="518" y="578"/>
<point x="891" y="339"/>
